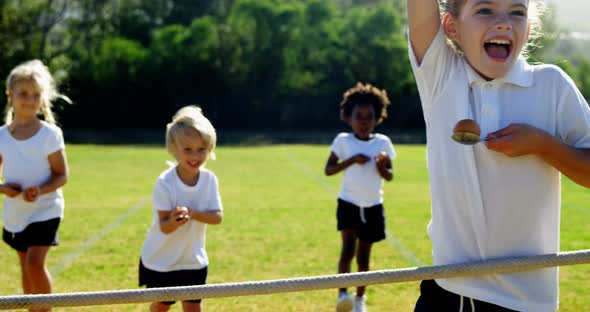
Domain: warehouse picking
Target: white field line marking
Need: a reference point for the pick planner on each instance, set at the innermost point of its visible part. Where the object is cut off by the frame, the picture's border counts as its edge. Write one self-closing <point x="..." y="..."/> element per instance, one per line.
<point x="64" y="262"/>
<point x="578" y="208"/>
<point x="392" y="240"/>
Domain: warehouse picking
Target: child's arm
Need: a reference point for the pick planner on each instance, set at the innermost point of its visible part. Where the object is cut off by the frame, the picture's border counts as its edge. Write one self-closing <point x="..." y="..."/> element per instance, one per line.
<point x="333" y="166"/>
<point x="521" y="139"/>
<point x="10" y="189"/>
<point x="59" y="177"/>
<point x="171" y="220"/>
<point x="209" y="216"/>
<point x="423" y="23"/>
<point x="384" y="166"/>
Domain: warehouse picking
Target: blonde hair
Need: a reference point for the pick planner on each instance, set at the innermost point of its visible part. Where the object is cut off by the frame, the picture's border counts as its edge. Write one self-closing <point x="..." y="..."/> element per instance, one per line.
<point x="187" y="119"/>
<point x="536" y="10"/>
<point x="36" y="71"/>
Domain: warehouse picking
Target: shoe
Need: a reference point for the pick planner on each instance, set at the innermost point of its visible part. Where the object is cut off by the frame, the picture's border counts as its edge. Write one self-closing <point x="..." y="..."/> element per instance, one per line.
<point x="344" y="303"/>
<point x="359" y="304"/>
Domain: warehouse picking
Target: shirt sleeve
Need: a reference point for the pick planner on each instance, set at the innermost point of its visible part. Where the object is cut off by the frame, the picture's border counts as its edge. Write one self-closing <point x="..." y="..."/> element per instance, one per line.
<point x="215" y="196"/>
<point x="433" y="72"/>
<point x="573" y="124"/>
<point x="388" y="148"/>
<point x="337" y="147"/>
<point x="55" y="141"/>
<point x="162" y="197"/>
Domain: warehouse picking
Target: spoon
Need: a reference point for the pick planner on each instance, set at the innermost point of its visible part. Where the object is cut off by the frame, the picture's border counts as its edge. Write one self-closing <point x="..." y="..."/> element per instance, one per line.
<point x="467" y="138"/>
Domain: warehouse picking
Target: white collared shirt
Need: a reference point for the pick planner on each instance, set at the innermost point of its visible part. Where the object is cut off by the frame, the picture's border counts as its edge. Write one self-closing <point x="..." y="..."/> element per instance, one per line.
<point x="184" y="248"/>
<point x="362" y="184"/>
<point x="484" y="204"/>
<point x="25" y="162"/>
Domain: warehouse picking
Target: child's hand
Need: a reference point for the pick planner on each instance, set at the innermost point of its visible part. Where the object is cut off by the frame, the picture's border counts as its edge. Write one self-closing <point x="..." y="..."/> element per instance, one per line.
<point x="360" y="158"/>
<point x="32" y="193"/>
<point x="12" y="189"/>
<point x="180" y="215"/>
<point x="382" y="160"/>
<point x="516" y="140"/>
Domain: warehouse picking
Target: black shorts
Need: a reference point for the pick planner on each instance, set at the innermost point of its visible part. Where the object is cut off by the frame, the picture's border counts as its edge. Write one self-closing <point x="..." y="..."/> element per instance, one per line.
<point x="435" y="298"/>
<point x="350" y="216"/>
<point x="154" y="279"/>
<point x="42" y="233"/>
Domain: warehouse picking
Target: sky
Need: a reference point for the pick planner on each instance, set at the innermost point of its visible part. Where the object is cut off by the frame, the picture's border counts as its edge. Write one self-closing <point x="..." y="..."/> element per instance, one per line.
<point x="573" y="14"/>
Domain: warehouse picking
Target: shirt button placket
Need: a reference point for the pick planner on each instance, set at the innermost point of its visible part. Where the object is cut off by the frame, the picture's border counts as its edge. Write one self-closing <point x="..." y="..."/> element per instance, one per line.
<point x="489" y="116"/>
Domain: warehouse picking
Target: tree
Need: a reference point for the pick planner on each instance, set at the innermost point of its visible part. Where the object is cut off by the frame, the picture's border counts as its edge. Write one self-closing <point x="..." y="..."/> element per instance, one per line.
<point x="46" y="29"/>
<point x="259" y="32"/>
<point x="135" y="19"/>
<point x="184" y="11"/>
<point x="108" y="86"/>
<point x="372" y="48"/>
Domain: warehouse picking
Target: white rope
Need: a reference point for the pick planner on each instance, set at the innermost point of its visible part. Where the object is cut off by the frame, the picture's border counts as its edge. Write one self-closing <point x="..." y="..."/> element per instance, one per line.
<point x="505" y="265"/>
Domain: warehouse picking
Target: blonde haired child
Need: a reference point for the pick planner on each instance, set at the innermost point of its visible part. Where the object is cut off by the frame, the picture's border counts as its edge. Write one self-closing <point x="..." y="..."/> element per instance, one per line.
<point x="500" y="198"/>
<point x="34" y="167"/>
<point x="186" y="199"/>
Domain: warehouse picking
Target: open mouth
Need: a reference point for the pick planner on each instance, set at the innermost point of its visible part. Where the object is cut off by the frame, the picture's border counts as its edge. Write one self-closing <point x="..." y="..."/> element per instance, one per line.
<point x="498" y="49"/>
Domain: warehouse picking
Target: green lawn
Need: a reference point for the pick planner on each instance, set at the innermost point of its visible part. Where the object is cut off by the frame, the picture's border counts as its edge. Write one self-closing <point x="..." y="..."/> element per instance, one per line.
<point x="279" y="223"/>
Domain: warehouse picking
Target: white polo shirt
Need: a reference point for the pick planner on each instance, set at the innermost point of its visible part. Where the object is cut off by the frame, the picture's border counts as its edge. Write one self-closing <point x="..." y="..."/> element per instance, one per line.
<point x="184" y="248"/>
<point x="362" y="184"/>
<point x="25" y="162"/>
<point x="484" y="204"/>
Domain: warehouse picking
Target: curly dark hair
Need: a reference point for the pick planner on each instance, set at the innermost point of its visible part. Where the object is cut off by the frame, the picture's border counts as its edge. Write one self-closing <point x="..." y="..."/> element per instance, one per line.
<point x="364" y="94"/>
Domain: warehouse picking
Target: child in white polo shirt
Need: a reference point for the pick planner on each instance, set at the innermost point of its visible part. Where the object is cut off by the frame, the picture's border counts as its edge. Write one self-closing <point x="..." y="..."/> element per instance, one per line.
<point x="186" y="199"/>
<point x="365" y="157"/>
<point x="35" y="168"/>
<point x="500" y="198"/>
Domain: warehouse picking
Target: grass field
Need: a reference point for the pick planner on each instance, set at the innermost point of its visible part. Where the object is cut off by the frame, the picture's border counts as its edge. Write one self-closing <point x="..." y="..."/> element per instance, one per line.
<point x="279" y="223"/>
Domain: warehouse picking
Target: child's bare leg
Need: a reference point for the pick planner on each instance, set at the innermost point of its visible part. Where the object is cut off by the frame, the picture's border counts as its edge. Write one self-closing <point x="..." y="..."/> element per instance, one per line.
<point x="36" y="271"/>
<point x="347" y="253"/>
<point x="362" y="260"/>
<point x="27" y="288"/>
<point x="188" y="306"/>
<point x="38" y="276"/>
<point x="159" y="307"/>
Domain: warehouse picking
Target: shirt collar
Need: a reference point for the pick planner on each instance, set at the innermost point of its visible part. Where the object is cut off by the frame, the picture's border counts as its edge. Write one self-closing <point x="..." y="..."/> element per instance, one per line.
<point x="521" y="74"/>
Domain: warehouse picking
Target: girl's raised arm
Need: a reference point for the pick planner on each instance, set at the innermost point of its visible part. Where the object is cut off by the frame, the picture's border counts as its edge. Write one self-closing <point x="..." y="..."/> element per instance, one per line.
<point x="423" y="22"/>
